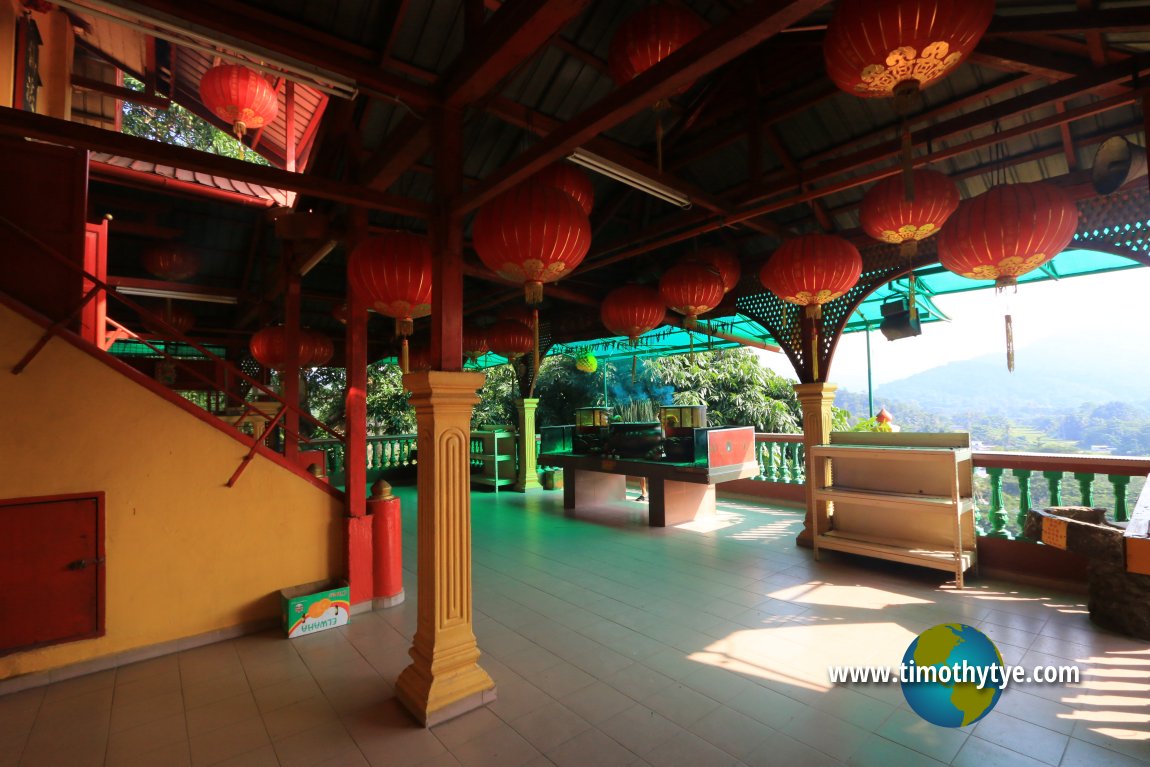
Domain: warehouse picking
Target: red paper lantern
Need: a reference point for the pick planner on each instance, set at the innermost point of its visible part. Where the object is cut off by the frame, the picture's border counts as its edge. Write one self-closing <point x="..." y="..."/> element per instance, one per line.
<point x="269" y="347"/>
<point x="632" y="310"/>
<point x="169" y="262"/>
<point x="316" y="349"/>
<point x="649" y="36"/>
<point x="722" y="261"/>
<point x="812" y="269"/>
<point x="474" y="343"/>
<point x="567" y="178"/>
<point x="239" y="96"/>
<point x="1007" y="231"/>
<point x="874" y="48"/>
<point x="510" y="339"/>
<point x="178" y="317"/>
<point x="691" y="289"/>
<point x="531" y="234"/>
<point x="888" y="216"/>
<point x="394" y="272"/>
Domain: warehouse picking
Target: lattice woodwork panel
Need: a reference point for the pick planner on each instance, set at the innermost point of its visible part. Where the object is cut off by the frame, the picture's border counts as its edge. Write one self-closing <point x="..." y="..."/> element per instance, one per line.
<point x="1121" y="221"/>
<point x="881" y="264"/>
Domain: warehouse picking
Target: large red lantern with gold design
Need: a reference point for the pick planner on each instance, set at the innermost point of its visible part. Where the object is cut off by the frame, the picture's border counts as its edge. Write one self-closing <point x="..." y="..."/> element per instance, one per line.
<point x="884" y="48"/>
<point x="531" y="234"/>
<point x="241" y="97"/>
<point x="1008" y="231"/>
<point x="510" y="339"/>
<point x="394" y="271"/>
<point x="649" y="36"/>
<point x="691" y="289"/>
<point x="812" y="269"/>
<point x="722" y="261"/>
<point x="632" y="310"/>
<point x="889" y="216"/>
<point x="567" y="178"/>
<point x="169" y="262"/>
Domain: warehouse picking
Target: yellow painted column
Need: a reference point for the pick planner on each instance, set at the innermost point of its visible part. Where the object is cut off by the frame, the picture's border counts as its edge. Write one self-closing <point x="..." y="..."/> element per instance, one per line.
<point x="528" y="475"/>
<point x="444" y="679"/>
<point x="55" y="98"/>
<point x="816" y="400"/>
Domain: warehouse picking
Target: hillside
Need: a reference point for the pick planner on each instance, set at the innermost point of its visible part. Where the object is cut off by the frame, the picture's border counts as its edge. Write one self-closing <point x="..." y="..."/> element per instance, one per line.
<point x="1050" y="376"/>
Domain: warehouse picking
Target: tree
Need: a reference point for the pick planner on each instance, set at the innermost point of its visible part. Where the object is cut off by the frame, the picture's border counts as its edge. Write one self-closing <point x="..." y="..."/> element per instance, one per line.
<point x="388" y="411"/>
<point x="176" y="125"/>
<point x="736" y="389"/>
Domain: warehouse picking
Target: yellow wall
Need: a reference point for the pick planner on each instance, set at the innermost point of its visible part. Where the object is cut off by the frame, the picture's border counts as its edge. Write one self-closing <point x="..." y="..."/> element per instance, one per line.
<point x="185" y="554"/>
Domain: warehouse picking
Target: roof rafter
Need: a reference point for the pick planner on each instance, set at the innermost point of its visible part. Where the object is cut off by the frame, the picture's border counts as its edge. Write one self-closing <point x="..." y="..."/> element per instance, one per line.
<point x="718" y="45"/>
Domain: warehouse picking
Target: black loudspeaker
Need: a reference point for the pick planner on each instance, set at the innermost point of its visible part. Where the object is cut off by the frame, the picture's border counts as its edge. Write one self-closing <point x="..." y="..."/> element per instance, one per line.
<point x="897" y="321"/>
<point x="1116" y="163"/>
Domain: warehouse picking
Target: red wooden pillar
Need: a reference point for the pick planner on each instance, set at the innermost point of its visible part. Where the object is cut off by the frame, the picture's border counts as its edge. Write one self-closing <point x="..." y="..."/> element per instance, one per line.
<point x="291" y="370"/>
<point x="359" y="541"/>
<point x="447" y="242"/>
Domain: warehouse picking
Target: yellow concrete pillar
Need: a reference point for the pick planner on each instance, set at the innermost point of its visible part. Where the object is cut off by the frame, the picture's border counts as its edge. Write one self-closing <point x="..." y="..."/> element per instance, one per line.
<point x="444" y="679"/>
<point x="528" y="474"/>
<point x="816" y="400"/>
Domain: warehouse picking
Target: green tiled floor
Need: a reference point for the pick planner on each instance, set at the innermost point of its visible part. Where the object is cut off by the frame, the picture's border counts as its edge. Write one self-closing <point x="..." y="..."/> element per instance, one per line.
<point x="615" y="643"/>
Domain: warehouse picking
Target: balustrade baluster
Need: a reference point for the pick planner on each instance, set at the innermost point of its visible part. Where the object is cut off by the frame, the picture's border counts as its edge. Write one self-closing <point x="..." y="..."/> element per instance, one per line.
<point x="1120" y="482"/>
<point x="785" y="463"/>
<point x="1085" y="486"/>
<point x="770" y="463"/>
<point x="798" y="470"/>
<point x="1054" y="482"/>
<point x="1023" y="476"/>
<point x="996" y="513"/>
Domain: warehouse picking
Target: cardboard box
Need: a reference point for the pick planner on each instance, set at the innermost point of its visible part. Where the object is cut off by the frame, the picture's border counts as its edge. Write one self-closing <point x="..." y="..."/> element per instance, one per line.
<point x="313" y="607"/>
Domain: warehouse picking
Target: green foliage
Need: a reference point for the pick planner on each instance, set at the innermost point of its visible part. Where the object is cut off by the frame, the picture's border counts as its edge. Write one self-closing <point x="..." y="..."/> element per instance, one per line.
<point x="497" y="398"/>
<point x="178" y="126"/>
<point x="736" y="389"/>
<point x="388" y="411"/>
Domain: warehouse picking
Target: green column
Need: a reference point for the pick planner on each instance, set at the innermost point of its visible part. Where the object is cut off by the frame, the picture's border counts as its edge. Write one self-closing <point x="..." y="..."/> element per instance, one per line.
<point x="1023" y="476"/>
<point x="996" y="513"/>
<point x="1119" y="483"/>
<point x="1086" y="486"/>
<point x="1054" y="482"/>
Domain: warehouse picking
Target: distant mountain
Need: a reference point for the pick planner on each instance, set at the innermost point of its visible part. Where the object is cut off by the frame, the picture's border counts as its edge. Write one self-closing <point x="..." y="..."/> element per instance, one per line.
<point x="1050" y="375"/>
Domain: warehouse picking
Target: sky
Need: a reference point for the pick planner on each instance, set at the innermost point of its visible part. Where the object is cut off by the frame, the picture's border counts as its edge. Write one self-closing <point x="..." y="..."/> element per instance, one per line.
<point x="1055" y="308"/>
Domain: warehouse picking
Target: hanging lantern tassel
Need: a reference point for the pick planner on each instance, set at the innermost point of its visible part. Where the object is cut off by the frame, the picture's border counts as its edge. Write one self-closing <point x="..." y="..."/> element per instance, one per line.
<point x="910" y="298"/>
<point x="404" y="326"/>
<point x="403" y="356"/>
<point x="1009" y="343"/>
<point x="535" y="357"/>
<point x="634" y="365"/>
<point x="814" y="313"/>
<point x="533" y="292"/>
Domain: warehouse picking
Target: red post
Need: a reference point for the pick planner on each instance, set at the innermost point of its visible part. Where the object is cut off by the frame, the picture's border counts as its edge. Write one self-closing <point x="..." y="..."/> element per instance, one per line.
<point x="359" y="541"/>
<point x="387" y="536"/>
<point x="447" y="243"/>
<point x="291" y="372"/>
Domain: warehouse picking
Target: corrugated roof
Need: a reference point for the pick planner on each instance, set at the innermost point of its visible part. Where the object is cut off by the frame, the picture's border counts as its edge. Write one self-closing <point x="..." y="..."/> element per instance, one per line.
<point x="254" y="191"/>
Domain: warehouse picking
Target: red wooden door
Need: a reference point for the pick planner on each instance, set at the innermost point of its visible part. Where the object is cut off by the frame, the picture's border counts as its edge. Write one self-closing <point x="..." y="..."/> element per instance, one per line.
<point x="92" y="325"/>
<point x="51" y="570"/>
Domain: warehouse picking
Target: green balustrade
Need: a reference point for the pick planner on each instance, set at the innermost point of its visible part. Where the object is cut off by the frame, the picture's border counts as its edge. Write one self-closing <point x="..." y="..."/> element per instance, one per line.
<point x="1023" y="476"/>
<point x="1120" y="482"/>
<point x="996" y="512"/>
<point x="1085" y="487"/>
<point x="1054" y="484"/>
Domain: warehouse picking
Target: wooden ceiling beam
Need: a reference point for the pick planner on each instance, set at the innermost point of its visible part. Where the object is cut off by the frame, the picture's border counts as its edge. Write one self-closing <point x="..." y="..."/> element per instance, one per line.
<point x="735" y="36"/>
<point x="527" y="119"/>
<point x="1077" y="22"/>
<point x="1011" y="56"/>
<point x="19" y="123"/>
<point x="511" y="36"/>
